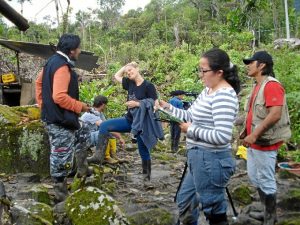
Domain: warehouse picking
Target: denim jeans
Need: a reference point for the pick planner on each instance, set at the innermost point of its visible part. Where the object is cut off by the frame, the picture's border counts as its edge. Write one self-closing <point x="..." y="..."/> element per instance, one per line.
<point x="204" y="183"/>
<point x="261" y="169"/>
<point x="123" y="125"/>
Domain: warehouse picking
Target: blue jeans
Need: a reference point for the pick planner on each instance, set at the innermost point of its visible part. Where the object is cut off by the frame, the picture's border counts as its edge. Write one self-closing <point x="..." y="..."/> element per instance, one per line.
<point x="123" y="125"/>
<point x="261" y="169"/>
<point x="204" y="183"/>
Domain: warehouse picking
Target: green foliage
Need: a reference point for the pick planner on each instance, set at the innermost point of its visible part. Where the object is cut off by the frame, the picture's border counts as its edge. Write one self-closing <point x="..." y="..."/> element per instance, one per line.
<point x="89" y="90"/>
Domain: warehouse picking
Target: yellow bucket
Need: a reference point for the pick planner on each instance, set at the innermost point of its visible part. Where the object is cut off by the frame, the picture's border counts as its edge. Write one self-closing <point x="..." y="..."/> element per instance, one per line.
<point x="8" y="78"/>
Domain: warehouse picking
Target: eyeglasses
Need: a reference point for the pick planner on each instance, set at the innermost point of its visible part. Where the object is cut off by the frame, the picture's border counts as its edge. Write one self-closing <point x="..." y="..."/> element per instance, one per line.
<point x="203" y="71"/>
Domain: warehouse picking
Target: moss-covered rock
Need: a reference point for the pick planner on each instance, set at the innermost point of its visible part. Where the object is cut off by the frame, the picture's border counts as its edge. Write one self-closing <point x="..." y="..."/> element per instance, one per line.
<point x="24" y="143"/>
<point x="291" y="200"/>
<point x="40" y="194"/>
<point x="152" y="217"/>
<point x="291" y="221"/>
<point x="29" y="212"/>
<point x="92" y="206"/>
<point x="242" y="194"/>
<point x="37" y="192"/>
<point x="285" y="174"/>
<point x="163" y="156"/>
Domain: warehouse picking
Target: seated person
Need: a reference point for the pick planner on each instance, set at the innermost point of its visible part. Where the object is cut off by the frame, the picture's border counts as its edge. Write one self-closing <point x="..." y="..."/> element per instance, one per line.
<point x="94" y="118"/>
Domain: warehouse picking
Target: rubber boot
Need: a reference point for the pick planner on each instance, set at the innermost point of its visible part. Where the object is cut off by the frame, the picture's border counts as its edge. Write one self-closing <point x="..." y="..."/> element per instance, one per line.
<point x="60" y="189"/>
<point x="144" y="166"/>
<point x="113" y="151"/>
<point x="107" y="158"/>
<point x="82" y="164"/>
<point x="259" y="216"/>
<point x="99" y="154"/>
<point x="217" y="219"/>
<point x="147" y="174"/>
<point x="270" y="217"/>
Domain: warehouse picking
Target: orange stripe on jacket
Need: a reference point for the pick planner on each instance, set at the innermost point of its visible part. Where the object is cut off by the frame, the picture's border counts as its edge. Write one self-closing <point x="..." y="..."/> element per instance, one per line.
<point x="61" y="81"/>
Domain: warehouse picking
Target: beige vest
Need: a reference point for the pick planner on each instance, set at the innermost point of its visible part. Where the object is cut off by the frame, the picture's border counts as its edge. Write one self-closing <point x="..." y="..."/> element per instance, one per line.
<point x="280" y="131"/>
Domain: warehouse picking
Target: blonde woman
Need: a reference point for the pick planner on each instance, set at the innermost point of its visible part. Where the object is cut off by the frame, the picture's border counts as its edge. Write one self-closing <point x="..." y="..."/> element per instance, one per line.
<point x="138" y="89"/>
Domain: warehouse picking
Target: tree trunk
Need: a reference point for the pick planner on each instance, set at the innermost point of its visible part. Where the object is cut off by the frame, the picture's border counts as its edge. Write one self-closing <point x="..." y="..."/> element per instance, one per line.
<point x="176" y="34"/>
<point x="275" y="18"/>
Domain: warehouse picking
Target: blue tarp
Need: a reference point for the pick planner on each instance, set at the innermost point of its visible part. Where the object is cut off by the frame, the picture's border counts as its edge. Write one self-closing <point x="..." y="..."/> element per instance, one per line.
<point x="297" y="5"/>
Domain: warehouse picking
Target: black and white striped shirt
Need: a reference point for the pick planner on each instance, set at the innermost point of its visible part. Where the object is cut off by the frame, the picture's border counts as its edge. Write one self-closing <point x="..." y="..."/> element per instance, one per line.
<point x="212" y="117"/>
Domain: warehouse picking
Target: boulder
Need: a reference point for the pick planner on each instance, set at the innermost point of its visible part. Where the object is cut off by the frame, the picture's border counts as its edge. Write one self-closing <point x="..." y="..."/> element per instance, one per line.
<point x="29" y="212"/>
<point x="37" y="192"/>
<point x="24" y="145"/>
<point x="293" y="43"/>
<point x="242" y="194"/>
<point x="92" y="206"/>
<point x="157" y="216"/>
<point x="291" y="200"/>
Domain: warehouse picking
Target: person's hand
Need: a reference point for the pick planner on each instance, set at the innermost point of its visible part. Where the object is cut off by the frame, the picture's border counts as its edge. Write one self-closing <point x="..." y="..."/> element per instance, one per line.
<point x="85" y="108"/>
<point x="249" y="139"/>
<point x="132" y="104"/>
<point x="184" y="126"/>
<point x="164" y="104"/>
<point x="122" y="142"/>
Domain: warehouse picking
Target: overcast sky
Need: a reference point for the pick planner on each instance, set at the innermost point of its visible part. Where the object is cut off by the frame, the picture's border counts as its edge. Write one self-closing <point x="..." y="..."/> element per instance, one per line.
<point x="32" y="11"/>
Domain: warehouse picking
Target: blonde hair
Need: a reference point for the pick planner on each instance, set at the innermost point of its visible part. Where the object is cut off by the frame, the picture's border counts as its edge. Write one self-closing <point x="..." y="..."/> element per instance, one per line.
<point x="133" y="64"/>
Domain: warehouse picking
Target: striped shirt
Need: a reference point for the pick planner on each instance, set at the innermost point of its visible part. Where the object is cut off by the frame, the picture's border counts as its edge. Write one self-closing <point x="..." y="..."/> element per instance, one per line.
<point x="212" y="117"/>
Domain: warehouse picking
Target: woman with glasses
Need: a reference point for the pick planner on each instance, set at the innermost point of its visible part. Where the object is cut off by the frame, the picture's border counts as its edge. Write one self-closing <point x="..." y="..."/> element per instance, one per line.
<point x="209" y="133"/>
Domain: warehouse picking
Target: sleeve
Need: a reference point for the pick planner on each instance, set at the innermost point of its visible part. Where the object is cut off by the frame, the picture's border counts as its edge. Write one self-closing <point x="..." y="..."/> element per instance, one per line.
<point x="224" y="110"/>
<point x="180" y="105"/>
<point x="274" y="94"/>
<point x="125" y="83"/>
<point x="60" y="95"/>
<point x="90" y="118"/>
<point x="38" y="89"/>
<point x="151" y="91"/>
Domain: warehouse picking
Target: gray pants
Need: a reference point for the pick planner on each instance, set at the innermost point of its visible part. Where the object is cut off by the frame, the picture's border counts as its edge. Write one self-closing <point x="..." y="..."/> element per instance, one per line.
<point x="261" y="169"/>
<point x="64" y="143"/>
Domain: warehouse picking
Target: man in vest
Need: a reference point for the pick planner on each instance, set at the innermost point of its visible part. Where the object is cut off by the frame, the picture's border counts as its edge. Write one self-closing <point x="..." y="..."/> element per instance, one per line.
<point x="267" y="125"/>
<point x="57" y="94"/>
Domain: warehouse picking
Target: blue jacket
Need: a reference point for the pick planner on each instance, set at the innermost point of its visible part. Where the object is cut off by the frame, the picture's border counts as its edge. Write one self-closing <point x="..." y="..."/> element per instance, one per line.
<point x="176" y="102"/>
<point x="145" y="123"/>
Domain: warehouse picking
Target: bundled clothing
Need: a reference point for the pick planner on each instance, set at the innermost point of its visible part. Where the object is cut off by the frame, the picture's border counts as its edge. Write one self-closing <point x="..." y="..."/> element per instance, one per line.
<point x="145" y="124"/>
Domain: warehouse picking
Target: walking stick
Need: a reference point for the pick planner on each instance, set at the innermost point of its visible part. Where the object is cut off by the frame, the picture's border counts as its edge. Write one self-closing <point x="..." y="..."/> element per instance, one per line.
<point x="179" y="186"/>
<point x="181" y="180"/>
<point x="232" y="205"/>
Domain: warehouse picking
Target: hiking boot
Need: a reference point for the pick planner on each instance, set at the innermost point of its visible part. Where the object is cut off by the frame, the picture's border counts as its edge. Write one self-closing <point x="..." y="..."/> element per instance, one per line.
<point x="60" y="189"/>
<point x="110" y="160"/>
<point x="99" y="154"/>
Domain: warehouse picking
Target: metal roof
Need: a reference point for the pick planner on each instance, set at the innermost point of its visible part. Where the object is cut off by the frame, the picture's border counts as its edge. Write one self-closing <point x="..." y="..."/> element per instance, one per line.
<point x="87" y="60"/>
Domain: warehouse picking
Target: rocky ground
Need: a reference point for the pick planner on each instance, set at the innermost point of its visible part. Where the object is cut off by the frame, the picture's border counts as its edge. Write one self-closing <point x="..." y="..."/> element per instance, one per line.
<point x="140" y="204"/>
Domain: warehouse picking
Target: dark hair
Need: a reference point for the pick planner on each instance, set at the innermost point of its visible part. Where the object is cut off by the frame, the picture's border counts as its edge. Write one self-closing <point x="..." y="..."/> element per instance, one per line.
<point x="68" y="42"/>
<point x="100" y="100"/>
<point x="267" y="70"/>
<point x="219" y="60"/>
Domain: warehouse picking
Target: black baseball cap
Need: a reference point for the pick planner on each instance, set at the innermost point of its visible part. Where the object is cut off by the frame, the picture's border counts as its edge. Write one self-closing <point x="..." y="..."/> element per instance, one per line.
<point x="261" y="56"/>
<point x="177" y="92"/>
